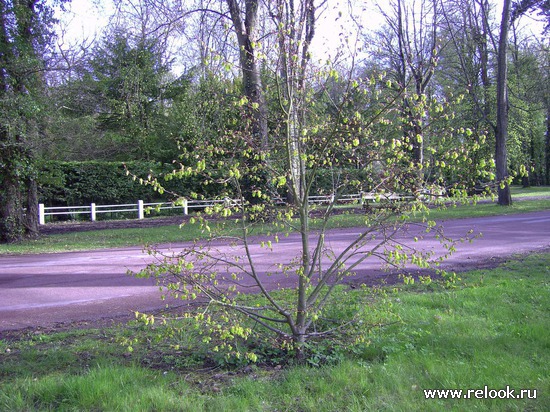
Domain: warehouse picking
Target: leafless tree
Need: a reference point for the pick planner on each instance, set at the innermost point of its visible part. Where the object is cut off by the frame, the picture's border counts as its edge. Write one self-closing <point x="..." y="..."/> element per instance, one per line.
<point x="409" y="44"/>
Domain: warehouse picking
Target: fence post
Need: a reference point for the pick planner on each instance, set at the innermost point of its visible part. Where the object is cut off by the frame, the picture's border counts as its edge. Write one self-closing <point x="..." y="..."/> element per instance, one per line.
<point x="92" y="212"/>
<point x="185" y="207"/>
<point x="141" y="210"/>
<point x="141" y="214"/>
<point x="41" y="216"/>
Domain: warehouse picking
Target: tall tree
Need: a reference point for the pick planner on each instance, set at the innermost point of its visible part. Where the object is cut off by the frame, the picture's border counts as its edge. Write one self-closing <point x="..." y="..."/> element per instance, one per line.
<point x="479" y="64"/>
<point x="546" y="101"/>
<point x="465" y="66"/>
<point x="511" y="11"/>
<point x="542" y="8"/>
<point x="23" y="36"/>
<point x="527" y="93"/>
<point x="501" y="136"/>
<point x="114" y="105"/>
<point x="245" y="23"/>
<point x="409" y="47"/>
<point x="130" y="80"/>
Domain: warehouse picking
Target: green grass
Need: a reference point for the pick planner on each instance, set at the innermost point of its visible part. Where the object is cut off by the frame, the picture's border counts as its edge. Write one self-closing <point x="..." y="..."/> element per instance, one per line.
<point x="99" y="239"/>
<point x="490" y="209"/>
<point x="531" y="191"/>
<point x="491" y="330"/>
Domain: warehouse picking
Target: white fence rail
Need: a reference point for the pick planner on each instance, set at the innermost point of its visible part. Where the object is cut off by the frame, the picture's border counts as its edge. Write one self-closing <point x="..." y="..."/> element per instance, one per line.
<point x="140" y="207"/>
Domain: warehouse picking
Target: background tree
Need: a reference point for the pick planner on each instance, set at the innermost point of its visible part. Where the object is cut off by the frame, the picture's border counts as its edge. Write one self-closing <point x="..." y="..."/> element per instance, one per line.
<point x="465" y="65"/>
<point x="501" y="131"/>
<point x="130" y="81"/>
<point x="470" y="63"/>
<point x="409" y="47"/>
<point x="118" y="99"/>
<point x="24" y="38"/>
<point x="527" y="110"/>
<point x="545" y="72"/>
<point x="510" y="13"/>
<point x="245" y="24"/>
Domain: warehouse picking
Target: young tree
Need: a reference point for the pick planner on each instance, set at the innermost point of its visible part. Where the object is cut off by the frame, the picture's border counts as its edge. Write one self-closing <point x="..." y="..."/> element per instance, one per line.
<point x="310" y="131"/>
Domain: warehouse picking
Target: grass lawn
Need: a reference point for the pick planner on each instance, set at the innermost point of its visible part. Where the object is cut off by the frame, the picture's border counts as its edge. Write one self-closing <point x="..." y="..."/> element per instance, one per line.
<point x="531" y="191"/>
<point x="491" y="330"/>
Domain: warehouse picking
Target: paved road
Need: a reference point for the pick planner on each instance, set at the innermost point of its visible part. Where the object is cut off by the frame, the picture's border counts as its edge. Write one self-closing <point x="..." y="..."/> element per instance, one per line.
<point x="42" y="290"/>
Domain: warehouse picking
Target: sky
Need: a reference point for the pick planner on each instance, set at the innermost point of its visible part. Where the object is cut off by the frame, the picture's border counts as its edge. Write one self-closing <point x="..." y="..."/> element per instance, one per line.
<point x="85" y="19"/>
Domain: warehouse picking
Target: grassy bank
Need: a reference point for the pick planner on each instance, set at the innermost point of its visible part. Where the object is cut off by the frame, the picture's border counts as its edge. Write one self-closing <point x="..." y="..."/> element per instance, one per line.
<point x="491" y="330"/>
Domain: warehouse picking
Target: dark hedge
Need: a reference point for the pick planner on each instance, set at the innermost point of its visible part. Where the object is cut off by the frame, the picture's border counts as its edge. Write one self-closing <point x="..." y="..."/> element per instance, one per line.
<point x="81" y="183"/>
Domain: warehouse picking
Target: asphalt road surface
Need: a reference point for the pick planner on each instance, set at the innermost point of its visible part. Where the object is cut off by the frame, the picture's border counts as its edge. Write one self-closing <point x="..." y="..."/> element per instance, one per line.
<point x="49" y="289"/>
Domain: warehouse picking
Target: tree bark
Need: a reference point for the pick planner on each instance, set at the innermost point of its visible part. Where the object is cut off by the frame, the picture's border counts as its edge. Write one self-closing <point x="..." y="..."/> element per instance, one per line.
<point x="11" y="211"/>
<point x="246" y="32"/>
<point x="31" y="216"/>
<point x="19" y="79"/>
<point x="547" y="146"/>
<point x="501" y="158"/>
<point x="297" y="29"/>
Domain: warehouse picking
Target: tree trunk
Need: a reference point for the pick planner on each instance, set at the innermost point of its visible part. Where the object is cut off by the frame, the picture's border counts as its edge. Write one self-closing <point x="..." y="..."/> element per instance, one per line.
<point x="547" y="147"/>
<point x="252" y="83"/>
<point x="295" y="161"/>
<point x="31" y="216"/>
<point x="501" y="159"/>
<point x="19" y="65"/>
<point x="246" y="31"/>
<point x="253" y="91"/>
<point x="11" y="213"/>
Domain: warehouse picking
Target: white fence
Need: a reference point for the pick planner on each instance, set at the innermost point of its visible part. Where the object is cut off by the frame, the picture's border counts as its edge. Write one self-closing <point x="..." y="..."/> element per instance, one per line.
<point x="140" y="207"/>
